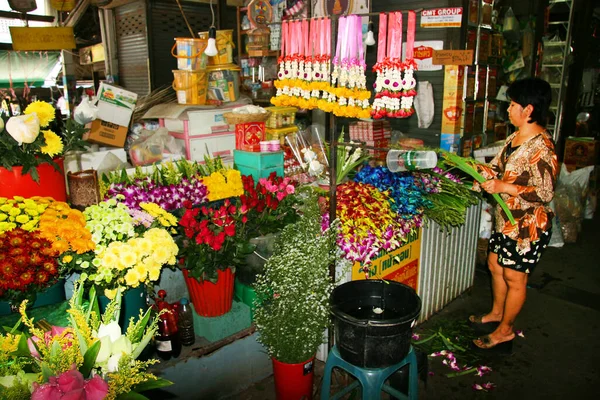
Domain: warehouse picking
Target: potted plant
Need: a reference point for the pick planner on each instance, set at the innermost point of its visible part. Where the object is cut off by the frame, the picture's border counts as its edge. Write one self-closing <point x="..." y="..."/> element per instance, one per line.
<point x="31" y="160"/>
<point x="212" y="246"/>
<point x="292" y="310"/>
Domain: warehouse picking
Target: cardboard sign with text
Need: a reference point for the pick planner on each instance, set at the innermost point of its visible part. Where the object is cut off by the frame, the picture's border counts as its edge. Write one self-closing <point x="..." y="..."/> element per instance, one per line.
<point x="42" y="38"/>
<point x="452" y="57"/>
<point x="401" y="265"/>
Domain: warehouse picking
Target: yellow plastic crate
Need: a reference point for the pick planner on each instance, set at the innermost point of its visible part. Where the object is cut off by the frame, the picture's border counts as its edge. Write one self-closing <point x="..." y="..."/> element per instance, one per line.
<point x="281" y="117"/>
<point x="281" y="133"/>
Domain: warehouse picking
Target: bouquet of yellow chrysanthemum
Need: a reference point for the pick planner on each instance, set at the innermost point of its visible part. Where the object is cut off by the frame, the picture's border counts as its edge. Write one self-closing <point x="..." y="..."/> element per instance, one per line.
<point x="27" y="141"/>
<point x="131" y="245"/>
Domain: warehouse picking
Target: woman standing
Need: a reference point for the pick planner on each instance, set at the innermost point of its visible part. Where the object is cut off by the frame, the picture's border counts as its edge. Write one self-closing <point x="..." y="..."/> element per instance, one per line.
<point x="524" y="174"/>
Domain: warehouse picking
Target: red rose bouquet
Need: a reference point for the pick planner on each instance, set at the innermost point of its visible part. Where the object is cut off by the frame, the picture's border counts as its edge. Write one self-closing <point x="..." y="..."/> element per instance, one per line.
<point x="211" y="238"/>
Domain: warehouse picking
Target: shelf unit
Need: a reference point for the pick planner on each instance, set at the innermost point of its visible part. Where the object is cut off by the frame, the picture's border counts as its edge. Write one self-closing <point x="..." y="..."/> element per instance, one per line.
<point x="479" y="85"/>
<point x="256" y="55"/>
<point x="556" y="57"/>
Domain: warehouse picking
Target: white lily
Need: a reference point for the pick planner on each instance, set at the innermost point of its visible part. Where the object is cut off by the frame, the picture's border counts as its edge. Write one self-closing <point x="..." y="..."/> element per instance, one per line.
<point x="112" y="330"/>
<point x="113" y="345"/>
<point x="24" y="128"/>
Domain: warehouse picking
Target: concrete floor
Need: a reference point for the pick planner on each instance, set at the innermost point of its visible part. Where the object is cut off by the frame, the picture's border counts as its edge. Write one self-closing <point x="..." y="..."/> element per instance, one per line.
<point x="558" y="357"/>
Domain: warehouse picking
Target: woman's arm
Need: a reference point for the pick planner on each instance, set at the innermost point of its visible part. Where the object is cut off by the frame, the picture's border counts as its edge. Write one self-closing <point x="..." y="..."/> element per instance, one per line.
<point x="543" y="168"/>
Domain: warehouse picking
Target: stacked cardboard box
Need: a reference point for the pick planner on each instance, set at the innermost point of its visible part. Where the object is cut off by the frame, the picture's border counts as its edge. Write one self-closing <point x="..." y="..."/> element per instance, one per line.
<point x="374" y="134"/>
<point x="115" y="108"/>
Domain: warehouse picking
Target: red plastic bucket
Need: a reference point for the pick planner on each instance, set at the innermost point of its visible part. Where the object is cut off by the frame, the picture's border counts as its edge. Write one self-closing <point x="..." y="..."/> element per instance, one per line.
<point x="294" y="381"/>
<point x="211" y="299"/>
<point x="52" y="182"/>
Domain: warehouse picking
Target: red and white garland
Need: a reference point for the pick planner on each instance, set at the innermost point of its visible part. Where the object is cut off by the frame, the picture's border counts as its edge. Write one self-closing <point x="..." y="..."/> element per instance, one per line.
<point x="395" y="83"/>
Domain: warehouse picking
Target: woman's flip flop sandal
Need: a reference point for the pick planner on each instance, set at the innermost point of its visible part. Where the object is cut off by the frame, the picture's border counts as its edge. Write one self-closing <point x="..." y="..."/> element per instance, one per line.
<point x="485" y="343"/>
<point x="475" y="321"/>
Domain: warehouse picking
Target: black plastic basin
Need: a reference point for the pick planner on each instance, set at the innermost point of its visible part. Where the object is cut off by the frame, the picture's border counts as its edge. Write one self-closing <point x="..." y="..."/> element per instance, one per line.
<point x="373" y="321"/>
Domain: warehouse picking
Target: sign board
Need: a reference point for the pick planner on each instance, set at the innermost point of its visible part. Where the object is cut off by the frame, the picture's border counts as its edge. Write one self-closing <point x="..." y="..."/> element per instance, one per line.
<point x="450" y="17"/>
<point x="401" y="265"/>
<point x="452" y="57"/>
<point x="44" y="38"/>
<point x="423" y="54"/>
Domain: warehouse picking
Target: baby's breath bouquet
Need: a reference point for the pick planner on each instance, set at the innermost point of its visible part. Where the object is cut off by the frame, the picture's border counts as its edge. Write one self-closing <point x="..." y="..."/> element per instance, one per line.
<point x="132" y="245"/>
<point x="293" y="293"/>
<point x="26" y="140"/>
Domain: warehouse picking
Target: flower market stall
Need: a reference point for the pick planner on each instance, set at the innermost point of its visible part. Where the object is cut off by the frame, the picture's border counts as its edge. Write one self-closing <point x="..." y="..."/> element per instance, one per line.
<point x="240" y="259"/>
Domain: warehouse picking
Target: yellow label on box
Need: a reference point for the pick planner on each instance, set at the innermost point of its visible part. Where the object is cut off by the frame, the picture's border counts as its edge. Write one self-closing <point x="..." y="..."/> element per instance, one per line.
<point x="44" y="38"/>
<point x="452" y="105"/>
<point x="400" y="265"/>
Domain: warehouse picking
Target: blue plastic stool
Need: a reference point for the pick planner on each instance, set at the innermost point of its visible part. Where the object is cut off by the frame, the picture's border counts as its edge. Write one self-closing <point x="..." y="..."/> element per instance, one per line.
<point x="372" y="381"/>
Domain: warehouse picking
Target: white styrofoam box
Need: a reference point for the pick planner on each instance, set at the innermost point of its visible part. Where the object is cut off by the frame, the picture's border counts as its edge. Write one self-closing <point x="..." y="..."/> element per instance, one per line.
<point x="218" y="145"/>
<point x="115" y="104"/>
<point x="201" y="122"/>
<point x="488" y="151"/>
<point x="93" y="160"/>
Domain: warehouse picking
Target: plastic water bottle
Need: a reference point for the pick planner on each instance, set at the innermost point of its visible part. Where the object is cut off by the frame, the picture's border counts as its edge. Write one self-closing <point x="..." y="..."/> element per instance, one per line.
<point x="410" y="160"/>
<point x="186" y="323"/>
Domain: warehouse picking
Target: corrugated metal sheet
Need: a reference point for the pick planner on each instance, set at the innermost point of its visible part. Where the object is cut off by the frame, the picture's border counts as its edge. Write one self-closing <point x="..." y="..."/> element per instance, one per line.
<point x="132" y="51"/>
<point x="447" y="263"/>
<point x="165" y="23"/>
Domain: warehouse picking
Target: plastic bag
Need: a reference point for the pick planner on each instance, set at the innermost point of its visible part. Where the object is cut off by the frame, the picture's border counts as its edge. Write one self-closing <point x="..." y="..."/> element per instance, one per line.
<point x="569" y="199"/>
<point x="309" y="150"/>
<point x="510" y="28"/>
<point x="85" y="112"/>
<point x="149" y="147"/>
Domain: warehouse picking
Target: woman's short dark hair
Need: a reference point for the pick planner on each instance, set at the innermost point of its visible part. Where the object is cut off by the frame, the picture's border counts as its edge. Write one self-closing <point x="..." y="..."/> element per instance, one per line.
<point x="534" y="91"/>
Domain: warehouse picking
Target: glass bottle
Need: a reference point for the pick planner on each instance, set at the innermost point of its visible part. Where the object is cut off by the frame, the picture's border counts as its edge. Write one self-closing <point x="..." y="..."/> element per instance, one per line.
<point x="167" y="340"/>
<point x="185" y="323"/>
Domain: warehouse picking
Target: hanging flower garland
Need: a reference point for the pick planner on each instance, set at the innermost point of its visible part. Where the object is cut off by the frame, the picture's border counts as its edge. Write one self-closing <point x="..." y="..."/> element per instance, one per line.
<point x="320" y="85"/>
<point x="395" y="83"/>
<point x="288" y="68"/>
<point x="348" y="77"/>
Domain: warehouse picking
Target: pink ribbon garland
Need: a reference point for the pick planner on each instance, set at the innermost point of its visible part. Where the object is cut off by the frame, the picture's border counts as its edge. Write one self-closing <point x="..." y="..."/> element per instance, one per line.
<point x="395" y="37"/>
<point x="410" y="35"/>
<point x="382" y="38"/>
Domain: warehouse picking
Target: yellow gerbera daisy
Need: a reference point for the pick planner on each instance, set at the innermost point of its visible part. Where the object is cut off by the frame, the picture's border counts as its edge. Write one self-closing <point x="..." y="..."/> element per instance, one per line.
<point x="54" y="144"/>
<point x="44" y="111"/>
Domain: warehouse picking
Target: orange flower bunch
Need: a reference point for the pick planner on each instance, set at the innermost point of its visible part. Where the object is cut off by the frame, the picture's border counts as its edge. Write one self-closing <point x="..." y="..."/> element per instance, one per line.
<point x="65" y="228"/>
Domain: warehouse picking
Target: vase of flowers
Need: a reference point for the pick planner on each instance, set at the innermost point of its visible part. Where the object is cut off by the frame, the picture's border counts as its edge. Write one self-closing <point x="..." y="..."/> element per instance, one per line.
<point x="31" y="162"/>
<point x="131" y="248"/>
<point x="212" y="245"/>
<point x="34" y="235"/>
<point x="292" y="310"/>
<point x="268" y="206"/>
<point x="89" y="359"/>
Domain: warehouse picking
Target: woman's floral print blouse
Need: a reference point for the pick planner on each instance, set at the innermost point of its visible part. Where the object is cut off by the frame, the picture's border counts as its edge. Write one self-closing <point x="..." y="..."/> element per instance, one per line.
<point x="533" y="167"/>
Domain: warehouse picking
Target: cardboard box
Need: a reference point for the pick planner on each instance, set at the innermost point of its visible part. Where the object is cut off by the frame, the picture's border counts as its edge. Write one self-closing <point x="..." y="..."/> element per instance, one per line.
<point x="109" y="133"/>
<point x="215" y="145"/>
<point x="249" y="135"/>
<point x="115" y="104"/>
<point x="581" y="152"/>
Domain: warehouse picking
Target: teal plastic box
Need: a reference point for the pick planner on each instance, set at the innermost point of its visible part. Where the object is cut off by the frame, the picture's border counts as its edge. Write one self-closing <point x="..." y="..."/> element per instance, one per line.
<point x="259" y="165"/>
